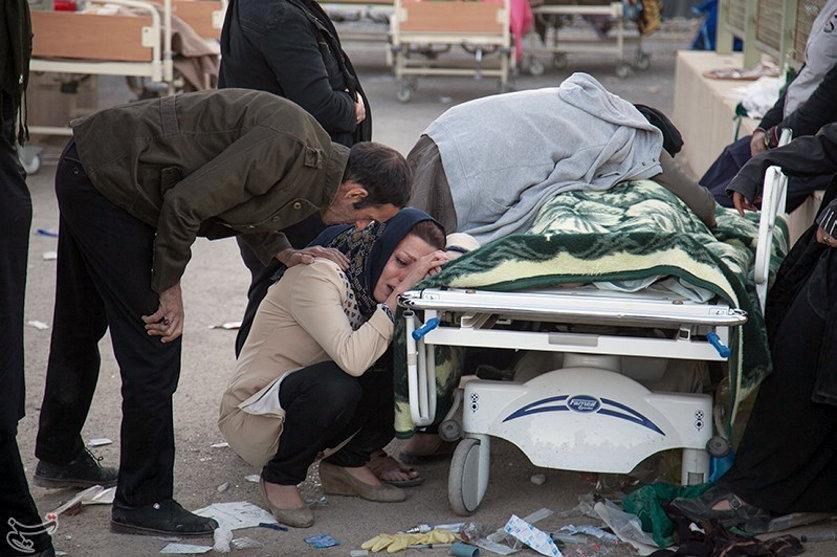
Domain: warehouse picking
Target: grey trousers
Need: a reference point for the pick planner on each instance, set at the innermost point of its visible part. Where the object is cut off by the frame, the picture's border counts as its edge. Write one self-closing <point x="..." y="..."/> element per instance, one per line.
<point x="431" y="191"/>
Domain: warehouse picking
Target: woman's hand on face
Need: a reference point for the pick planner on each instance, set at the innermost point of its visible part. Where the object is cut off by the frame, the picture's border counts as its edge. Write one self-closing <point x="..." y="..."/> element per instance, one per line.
<point x="428" y="265"/>
<point x="824" y="237"/>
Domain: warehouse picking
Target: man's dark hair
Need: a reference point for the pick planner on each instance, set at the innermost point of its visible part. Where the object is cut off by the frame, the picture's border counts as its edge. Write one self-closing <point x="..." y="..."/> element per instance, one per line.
<point x="382" y="171"/>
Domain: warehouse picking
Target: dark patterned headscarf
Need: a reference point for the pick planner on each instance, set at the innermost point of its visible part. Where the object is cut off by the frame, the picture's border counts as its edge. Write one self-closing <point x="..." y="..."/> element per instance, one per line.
<point x="368" y="251"/>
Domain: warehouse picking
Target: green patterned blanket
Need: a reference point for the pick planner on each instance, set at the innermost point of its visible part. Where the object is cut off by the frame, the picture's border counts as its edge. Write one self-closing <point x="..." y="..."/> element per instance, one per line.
<point x="632" y="231"/>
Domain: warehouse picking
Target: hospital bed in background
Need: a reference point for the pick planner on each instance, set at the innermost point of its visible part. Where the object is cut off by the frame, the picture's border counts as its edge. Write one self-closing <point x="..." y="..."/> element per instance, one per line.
<point x="421" y="31"/>
<point x="554" y="16"/>
<point x="138" y="46"/>
<point x="593" y="414"/>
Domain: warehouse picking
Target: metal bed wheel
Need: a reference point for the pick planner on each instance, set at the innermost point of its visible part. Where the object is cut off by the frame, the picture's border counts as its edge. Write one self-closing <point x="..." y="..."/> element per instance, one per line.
<point x="643" y="60"/>
<point x="450" y="431"/>
<point x="623" y="70"/>
<point x="535" y="66"/>
<point x="559" y="61"/>
<point x="406" y="90"/>
<point x="462" y="479"/>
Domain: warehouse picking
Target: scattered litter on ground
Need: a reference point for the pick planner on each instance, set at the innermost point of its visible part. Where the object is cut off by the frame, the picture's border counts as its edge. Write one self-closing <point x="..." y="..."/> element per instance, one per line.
<point x="96" y="495"/>
<point x="424" y="528"/>
<point x="223" y="487"/>
<point x="358" y="553"/>
<point x="253" y="478"/>
<point x="584" y="508"/>
<point x="277" y="526"/>
<point x="220" y="445"/>
<point x="460" y="549"/>
<point x="185" y="549"/>
<point x="49" y="255"/>
<point x="228" y="326"/>
<point x="500" y="541"/>
<point x="46" y="232"/>
<point x="59" y="553"/>
<point x="322" y="541"/>
<point x="531" y="536"/>
<point x="99" y="442"/>
<point x="237" y="515"/>
<point x="403" y="540"/>
<point x="538" y="479"/>
<point x="40" y="325"/>
<point x="222" y="538"/>
<point x="246" y="543"/>
<point x="627" y="526"/>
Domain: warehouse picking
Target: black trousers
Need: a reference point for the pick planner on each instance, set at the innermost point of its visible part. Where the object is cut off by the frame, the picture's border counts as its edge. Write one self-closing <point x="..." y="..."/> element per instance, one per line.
<point x="15" y="219"/>
<point x="104" y="281"/>
<point x="787" y="459"/>
<point x="324" y="406"/>
<point x="262" y="276"/>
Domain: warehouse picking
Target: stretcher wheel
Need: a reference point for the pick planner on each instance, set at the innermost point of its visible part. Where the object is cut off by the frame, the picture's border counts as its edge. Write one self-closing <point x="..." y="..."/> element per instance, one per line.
<point x="31" y="165"/>
<point x="718" y="447"/>
<point x="463" y="486"/>
<point x="450" y="430"/>
<point x="559" y="61"/>
<point x="536" y="67"/>
<point x="623" y="70"/>
<point x="405" y="92"/>
<point x="643" y="60"/>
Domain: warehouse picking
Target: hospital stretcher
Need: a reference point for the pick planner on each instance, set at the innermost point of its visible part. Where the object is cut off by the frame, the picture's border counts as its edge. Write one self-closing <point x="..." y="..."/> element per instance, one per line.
<point x="137" y="45"/>
<point x="593" y="414"/>
<point x="418" y="29"/>
<point x="553" y="16"/>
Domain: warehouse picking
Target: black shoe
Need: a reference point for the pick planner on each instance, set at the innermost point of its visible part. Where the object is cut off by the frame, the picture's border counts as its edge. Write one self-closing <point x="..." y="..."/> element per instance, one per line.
<point x="165" y="517"/>
<point x="740" y="514"/>
<point x="85" y="471"/>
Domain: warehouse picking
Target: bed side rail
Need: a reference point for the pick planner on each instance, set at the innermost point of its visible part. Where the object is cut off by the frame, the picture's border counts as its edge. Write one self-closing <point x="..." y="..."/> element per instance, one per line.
<point x="774" y="198"/>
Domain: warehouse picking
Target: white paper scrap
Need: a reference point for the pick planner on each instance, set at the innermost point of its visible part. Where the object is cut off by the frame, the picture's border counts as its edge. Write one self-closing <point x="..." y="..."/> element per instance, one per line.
<point x="220" y="445"/>
<point x="246" y="543"/>
<point x="99" y="442"/>
<point x="185" y="549"/>
<point x="238" y="515"/>
<point x="50" y="255"/>
<point x="531" y="536"/>
<point x="228" y="326"/>
<point x="40" y="325"/>
<point x="222" y="538"/>
<point x="253" y="478"/>
<point x="104" y="497"/>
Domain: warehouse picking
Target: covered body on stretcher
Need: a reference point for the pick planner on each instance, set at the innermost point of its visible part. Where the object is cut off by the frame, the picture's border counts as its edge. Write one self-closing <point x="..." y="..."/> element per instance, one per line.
<point x="593" y="414"/>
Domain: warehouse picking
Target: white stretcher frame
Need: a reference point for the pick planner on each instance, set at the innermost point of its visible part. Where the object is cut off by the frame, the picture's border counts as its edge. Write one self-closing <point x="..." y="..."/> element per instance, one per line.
<point x="560" y="48"/>
<point x="407" y="70"/>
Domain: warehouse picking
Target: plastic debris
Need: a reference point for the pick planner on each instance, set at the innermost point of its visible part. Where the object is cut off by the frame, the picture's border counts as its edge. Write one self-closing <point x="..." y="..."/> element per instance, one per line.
<point x="222" y="538"/>
<point x="627" y="526"/>
<point x="185" y="549"/>
<point x="49" y="255"/>
<point x="99" y="442"/>
<point x="538" y="479"/>
<point x="103" y="497"/>
<point x="238" y="515"/>
<point x="592" y="531"/>
<point x="460" y="549"/>
<point x="40" y="325"/>
<point x="228" y="326"/>
<point x="253" y="478"/>
<point x="500" y="541"/>
<point x="46" y="232"/>
<point x="246" y="543"/>
<point x="220" y="445"/>
<point x="358" y="553"/>
<point x="322" y="541"/>
<point x="96" y="495"/>
<point x="531" y="536"/>
<point x="59" y="553"/>
<point x="223" y="487"/>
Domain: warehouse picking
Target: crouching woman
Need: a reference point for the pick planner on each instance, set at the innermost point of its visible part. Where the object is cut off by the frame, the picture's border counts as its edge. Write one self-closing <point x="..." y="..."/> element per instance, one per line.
<point x="301" y="385"/>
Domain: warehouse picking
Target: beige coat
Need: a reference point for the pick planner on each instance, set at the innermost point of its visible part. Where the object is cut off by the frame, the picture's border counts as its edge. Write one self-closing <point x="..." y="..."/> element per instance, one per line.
<point x="306" y="318"/>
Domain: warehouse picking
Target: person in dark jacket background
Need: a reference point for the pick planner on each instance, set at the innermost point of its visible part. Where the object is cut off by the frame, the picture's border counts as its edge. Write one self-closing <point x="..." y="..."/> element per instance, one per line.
<point x="291" y="48"/>
<point x="787" y="459"/>
<point x="21" y="529"/>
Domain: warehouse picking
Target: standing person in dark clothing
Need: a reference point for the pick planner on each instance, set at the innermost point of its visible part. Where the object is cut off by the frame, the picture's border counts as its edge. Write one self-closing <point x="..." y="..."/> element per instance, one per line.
<point x="136" y="186"/>
<point x="787" y="459"/>
<point x="17" y="508"/>
<point x="291" y="48"/>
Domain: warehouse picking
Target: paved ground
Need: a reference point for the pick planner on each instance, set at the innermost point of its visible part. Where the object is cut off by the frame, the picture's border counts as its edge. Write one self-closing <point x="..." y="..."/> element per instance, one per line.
<point x="214" y="292"/>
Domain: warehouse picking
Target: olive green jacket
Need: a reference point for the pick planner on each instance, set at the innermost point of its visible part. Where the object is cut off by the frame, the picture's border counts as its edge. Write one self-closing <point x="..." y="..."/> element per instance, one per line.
<point x="212" y="164"/>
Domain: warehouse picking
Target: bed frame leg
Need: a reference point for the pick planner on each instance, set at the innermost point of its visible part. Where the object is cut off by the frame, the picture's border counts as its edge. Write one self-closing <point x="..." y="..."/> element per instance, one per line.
<point x="694" y="467"/>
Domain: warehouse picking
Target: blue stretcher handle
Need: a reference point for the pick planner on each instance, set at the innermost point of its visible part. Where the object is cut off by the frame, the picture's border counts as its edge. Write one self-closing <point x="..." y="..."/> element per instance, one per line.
<point x="426" y="328"/>
<point x="715" y="341"/>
